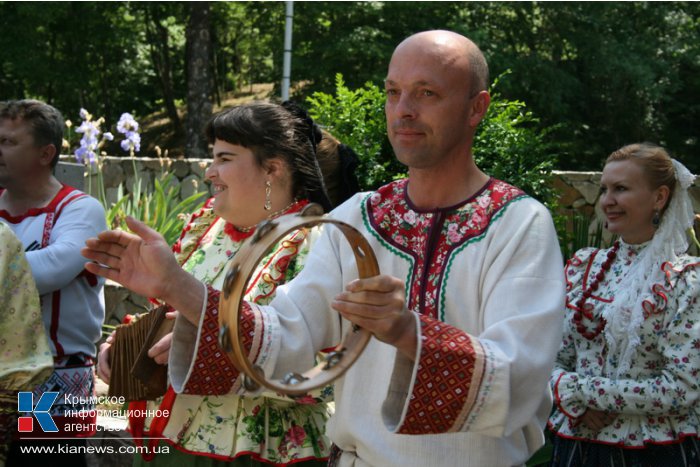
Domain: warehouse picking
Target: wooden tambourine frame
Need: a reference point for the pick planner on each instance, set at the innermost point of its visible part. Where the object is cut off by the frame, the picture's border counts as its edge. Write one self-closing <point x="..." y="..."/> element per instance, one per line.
<point x="242" y="267"/>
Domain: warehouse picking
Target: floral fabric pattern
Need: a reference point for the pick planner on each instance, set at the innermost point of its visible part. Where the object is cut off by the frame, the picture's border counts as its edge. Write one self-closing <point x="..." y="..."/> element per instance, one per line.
<point x="656" y="400"/>
<point x="26" y="357"/>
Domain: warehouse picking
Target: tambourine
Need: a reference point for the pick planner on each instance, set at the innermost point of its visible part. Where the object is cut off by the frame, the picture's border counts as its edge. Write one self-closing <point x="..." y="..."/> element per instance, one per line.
<point x="242" y="267"/>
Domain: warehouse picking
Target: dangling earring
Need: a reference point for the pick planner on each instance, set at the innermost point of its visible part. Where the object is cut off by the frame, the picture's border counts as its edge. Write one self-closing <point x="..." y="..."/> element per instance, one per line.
<point x="656" y="220"/>
<point x="268" y="191"/>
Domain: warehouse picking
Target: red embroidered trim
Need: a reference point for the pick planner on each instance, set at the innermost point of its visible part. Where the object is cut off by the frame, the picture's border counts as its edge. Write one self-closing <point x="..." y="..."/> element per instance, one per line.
<point x="450" y="372"/>
<point x="621" y="444"/>
<point x="213" y="373"/>
<point x="33" y="212"/>
<point x="660" y="290"/>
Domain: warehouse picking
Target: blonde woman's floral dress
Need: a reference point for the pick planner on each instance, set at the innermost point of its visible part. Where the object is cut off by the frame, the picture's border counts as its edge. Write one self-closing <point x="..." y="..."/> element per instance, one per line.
<point x="656" y="400"/>
<point x="269" y="429"/>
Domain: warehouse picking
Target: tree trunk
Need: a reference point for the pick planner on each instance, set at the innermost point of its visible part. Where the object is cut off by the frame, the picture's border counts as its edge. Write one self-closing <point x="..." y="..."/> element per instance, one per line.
<point x="199" y="79"/>
<point x="160" y="55"/>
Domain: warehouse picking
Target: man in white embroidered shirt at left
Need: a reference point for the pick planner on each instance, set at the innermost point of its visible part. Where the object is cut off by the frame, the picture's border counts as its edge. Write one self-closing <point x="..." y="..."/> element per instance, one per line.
<point x="53" y="221"/>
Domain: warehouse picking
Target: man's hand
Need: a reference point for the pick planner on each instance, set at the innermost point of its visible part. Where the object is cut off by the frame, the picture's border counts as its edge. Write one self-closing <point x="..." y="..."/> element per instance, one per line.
<point x="378" y="305"/>
<point x="104" y="370"/>
<point x="142" y="261"/>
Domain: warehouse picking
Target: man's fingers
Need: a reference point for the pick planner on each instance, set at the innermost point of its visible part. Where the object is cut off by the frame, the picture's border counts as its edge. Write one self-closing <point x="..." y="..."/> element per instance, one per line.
<point x="109" y="247"/>
<point x="142" y="230"/>
<point x="103" y="258"/>
<point x="374" y="300"/>
<point x="117" y="236"/>
<point x="108" y="273"/>
<point x="103" y="368"/>
<point x="380" y="283"/>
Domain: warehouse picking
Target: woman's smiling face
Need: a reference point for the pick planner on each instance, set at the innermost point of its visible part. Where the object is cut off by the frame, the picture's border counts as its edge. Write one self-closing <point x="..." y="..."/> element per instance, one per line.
<point x="628" y="201"/>
<point x="239" y="184"/>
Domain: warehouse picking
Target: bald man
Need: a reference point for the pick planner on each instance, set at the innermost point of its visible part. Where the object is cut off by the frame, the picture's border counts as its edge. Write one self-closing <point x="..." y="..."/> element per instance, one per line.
<point x="467" y="312"/>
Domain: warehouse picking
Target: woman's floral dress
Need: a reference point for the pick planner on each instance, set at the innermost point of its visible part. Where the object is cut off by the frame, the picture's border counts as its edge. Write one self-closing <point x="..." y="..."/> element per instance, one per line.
<point x="269" y="428"/>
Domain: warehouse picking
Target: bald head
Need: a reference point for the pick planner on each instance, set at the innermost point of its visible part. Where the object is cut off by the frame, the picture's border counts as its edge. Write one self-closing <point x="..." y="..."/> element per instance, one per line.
<point x="454" y="50"/>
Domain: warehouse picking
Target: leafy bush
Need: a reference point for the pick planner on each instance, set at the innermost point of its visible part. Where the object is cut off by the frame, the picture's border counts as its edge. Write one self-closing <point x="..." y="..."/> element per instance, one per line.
<point x="510" y="145"/>
<point x="356" y="118"/>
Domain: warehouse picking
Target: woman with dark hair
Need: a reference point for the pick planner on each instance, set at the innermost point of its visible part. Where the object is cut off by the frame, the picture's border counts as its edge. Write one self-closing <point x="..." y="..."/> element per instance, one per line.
<point x="264" y="165"/>
<point x="625" y="382"/>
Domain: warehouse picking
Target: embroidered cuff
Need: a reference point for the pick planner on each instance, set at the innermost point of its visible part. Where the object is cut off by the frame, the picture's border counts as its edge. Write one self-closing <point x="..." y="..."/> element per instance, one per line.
<point x="449" y="373"/>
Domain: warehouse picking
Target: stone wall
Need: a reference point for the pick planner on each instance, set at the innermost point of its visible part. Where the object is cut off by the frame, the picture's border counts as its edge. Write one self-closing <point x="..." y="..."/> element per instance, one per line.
<point x="189" y="174"/>
<point x="578" y="193"/>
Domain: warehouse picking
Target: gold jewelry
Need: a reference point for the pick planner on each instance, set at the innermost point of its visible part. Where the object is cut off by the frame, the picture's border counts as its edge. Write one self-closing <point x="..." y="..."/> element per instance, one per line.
<point x="281" y="211"/>
<point x="270" y="216"/>
<point x="268" y="191"/>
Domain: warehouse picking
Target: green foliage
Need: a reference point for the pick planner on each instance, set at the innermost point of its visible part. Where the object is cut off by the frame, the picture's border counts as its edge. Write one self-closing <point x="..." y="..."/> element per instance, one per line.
<point x="356" y="118"/>
<point x="606" y="73"/>
<point x="160" y="209"/>
<point x="582" y="66"/>
<point x="511" y="145"/>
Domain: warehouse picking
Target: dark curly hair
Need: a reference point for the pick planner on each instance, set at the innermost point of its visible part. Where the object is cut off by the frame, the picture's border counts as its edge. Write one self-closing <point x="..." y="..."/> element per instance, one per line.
<point x="271" y="131"/>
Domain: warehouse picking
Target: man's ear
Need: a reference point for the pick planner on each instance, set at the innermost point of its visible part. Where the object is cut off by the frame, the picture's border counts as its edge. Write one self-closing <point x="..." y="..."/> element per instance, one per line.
<point x="48" y="152"/>
<point x="479" y="106"/>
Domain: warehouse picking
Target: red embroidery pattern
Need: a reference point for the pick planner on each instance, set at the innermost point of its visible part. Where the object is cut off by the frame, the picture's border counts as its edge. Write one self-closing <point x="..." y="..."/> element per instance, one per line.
<point x="213" y="373"/>
<point x="430" y="237"/>
<point x="450" y="372"/>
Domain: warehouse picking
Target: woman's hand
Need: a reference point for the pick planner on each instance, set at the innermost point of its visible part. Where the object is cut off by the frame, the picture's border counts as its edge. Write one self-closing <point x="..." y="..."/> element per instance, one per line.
<point x="378" y="305"/>
<point x="160" y="351"/>
<point x="597" y="420"/>
<point x="142" y="261"/>
<point x="104" y="370"/>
